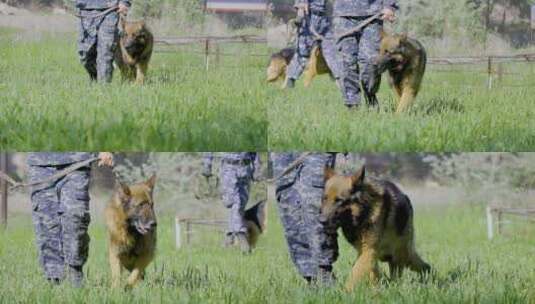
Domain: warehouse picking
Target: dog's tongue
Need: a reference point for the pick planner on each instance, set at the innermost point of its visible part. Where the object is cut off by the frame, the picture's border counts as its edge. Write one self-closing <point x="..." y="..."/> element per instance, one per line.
<point x="141" y="229"/>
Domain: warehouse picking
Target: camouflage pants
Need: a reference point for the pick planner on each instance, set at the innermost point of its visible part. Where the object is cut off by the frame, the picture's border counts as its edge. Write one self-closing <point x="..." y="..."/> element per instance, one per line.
<point x="97" y="42"/>
<point x="235" y="186"/>
<point x="60" y="212"/>
<point x="299" y="195"/>
<point x="330" y="54"/>
<point x="306" y="42"/>
<point x="358" y="53"/>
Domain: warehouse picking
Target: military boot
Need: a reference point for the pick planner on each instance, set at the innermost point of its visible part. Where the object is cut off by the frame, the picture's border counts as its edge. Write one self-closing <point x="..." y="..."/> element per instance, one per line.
<point x="75" y="275"/>
<point x="244" y="242"/>
<point x="290" y="83"/>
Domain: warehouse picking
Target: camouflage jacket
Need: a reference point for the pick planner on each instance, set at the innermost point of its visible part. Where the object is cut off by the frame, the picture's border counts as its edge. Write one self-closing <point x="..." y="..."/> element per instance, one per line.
<point x="99" y="4"/>
<point x="362" y="8"/>
<point x="315" y="6"/>
<point x="57" y="158"/>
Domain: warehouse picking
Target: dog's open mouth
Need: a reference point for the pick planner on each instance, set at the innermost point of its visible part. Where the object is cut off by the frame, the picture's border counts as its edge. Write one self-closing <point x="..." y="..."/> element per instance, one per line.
<point x="142" y="228"/>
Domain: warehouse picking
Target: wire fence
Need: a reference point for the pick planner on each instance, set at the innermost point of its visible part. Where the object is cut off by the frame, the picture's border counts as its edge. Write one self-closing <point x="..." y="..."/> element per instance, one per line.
<point x="485" y="71"/>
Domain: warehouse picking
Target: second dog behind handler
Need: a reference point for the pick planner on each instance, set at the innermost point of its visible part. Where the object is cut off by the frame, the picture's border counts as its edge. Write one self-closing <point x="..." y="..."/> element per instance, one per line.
<point x="236" y="174"/>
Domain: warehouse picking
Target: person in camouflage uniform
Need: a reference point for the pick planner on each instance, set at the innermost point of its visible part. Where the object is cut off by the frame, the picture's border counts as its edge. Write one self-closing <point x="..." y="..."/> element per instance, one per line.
<point x="97" y="39"/>
<point x="313" y="246"/>
<point x="60" y="213"/>
<point x="360" y="50"/>
<point x="236" y="173"/>
<point x="313" y="27"/>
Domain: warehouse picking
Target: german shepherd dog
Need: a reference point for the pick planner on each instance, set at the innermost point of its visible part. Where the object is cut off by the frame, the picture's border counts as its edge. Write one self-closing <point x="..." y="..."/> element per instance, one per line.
<point x="377" y="219"/>
<point x="405" y="59"/>
<point x="256" y="222"/>
<point x="131" y="223"/>
<point x="279" y="63"/>
<point x="316" y="66"/>
<point x="135" y="50"/>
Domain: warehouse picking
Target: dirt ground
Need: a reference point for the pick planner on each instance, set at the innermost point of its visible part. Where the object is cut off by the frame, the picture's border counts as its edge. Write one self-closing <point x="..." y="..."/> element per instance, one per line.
<point x="57" y="20"/>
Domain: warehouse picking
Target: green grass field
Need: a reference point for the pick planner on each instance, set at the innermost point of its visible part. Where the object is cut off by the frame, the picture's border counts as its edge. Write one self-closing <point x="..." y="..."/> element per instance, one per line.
<point x="454" y="112"/>
<point x="47" y="102"/>
<point x="470" y="269"/>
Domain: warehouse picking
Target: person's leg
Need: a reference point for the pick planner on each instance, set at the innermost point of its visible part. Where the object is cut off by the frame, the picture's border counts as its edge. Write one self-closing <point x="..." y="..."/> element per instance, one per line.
<point x="240" y="228"/>
<point x="87" y="46"/>
<point x="324" y="245"/>
<point x="230" y="198"/>
<point x="74" y="199"/>
<point x="332" y="58"/>
<point x="305" y="43"/>
<point x="369" y="45"/>
<point x="348" y="49"/>
<point x="290" y="211"/>
<point x="46" y="220"/>
<point x="106" y="45"/>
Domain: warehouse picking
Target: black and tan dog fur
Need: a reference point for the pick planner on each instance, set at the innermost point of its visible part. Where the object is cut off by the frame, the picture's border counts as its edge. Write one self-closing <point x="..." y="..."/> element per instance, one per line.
<point x="256" y="222"/>
<point x="405" y="59"/>
<point x="377" y="219"/>
<point x="279" y="62"/>
<point x="135" y="50"/>
<point x="316" y="66"/>
<point x="131" y="224"/>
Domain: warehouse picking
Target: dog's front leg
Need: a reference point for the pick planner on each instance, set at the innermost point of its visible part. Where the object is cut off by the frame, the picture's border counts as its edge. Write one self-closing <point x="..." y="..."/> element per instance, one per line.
<point x="135" y="276"/>
<point x="407" y="97"/>
<point x="365" y="266"/>
<point x="141" y="69"/>
<point x="115" y="266"/>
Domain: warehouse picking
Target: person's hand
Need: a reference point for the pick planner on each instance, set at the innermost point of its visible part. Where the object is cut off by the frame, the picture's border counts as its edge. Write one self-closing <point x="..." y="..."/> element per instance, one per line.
<point x="105" y="159"/>
<point x="123" y="9"/>
<point x="388" y="14"/>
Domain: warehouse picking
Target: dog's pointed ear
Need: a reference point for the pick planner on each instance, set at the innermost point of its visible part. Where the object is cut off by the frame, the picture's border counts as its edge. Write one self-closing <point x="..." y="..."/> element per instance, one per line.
<point x="358" y="177"/>
<point x="151" y="182"/>
<point x="329" y="173"/>
<point x="124" y="192"/>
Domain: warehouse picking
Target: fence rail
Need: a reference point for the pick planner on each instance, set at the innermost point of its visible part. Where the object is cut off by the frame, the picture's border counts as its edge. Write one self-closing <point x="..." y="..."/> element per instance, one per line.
<point x="495" y="217"/>
<point x="493" y="64"/>
<point x="187" y="224"/>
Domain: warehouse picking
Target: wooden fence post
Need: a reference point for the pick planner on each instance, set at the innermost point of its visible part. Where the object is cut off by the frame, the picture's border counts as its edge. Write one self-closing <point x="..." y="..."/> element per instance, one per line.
<point x="490" y="225"/>
<point x="489" y="71"/>
<point x="3" y="191"/>
<point x="499" y="222"/>
<point x="178" y="233"/>
<point x="207" y="53"/>
<point x="217" y="54"/>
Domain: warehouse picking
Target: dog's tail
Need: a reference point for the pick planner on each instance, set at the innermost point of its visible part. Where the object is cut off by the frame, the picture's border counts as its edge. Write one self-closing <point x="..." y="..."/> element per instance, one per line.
<point x="258" y="215"/>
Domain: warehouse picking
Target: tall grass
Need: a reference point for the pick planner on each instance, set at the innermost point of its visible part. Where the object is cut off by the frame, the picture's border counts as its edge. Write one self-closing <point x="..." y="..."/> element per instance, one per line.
<point x="470" y="269"/>
<point x="47" y="103"/>
<point x="454" y="112"/>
